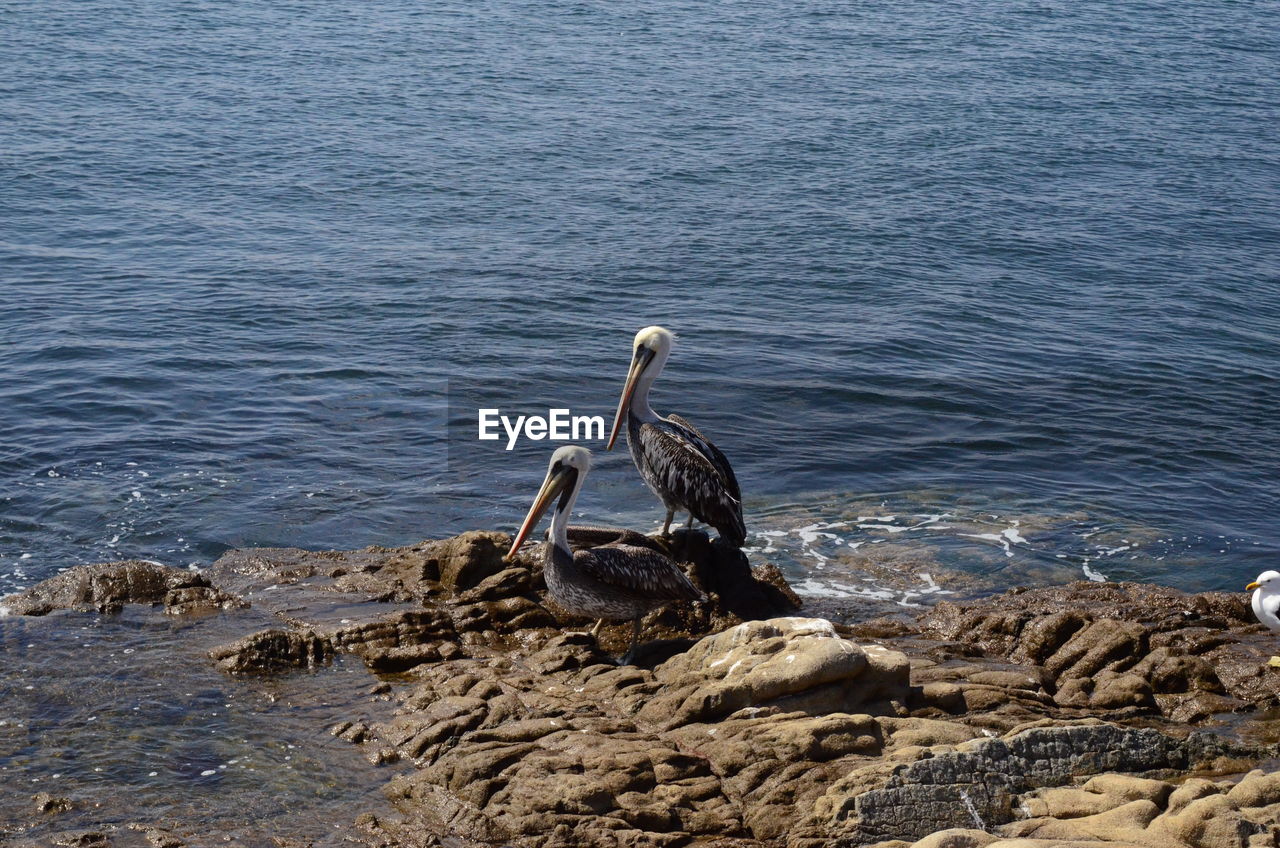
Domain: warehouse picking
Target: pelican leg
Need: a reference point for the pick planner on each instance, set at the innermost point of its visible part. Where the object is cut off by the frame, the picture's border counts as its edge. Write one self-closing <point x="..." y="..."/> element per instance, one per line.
<point x="689" y="526"/>
<point x="625" y="659"/>
<point x="594" y="632"/>
<point x="666" y="527"/>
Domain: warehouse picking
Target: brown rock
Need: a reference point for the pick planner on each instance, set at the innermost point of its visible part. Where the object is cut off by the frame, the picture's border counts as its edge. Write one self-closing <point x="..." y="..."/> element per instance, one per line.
<point x="107" y="587"/>
<point x="957" y="837"/>
<point x="50" y="804"/>
<point x="1256" y="789"/>
<point x="271" y="651"/>
<point x="793" y="663"/>
<point x="1213" y="821"/>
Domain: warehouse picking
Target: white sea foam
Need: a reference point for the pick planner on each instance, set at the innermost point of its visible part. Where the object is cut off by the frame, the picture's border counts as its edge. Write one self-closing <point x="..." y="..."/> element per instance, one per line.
<point x="998" y="538"/>
<point x="1095" y="576"/>
<point x="822" y="589"/>
<point x="1012" y="534"/>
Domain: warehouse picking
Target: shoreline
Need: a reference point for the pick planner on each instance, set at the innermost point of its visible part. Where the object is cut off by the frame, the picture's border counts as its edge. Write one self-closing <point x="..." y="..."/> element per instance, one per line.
<point x="745" y="723"/>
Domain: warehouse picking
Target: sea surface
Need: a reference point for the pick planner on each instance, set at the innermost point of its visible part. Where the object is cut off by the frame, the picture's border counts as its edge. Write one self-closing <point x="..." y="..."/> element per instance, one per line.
<point x="992" y="285"/>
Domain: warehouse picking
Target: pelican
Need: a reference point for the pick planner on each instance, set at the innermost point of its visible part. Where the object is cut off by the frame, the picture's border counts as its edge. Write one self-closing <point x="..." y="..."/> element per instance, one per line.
<point x="682" y="466"/>
<point x="614" y="581"/>
<point x="1266" y="603"/>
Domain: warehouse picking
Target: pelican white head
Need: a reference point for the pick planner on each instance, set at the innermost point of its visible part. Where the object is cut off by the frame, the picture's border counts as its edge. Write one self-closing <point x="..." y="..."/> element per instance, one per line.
<point x="649" y="352"/>
<point x="565" y="472"/>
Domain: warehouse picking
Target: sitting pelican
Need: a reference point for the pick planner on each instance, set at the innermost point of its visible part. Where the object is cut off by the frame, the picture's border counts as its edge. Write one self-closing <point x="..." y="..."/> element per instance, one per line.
<point x="682" y="467"/>
<point x="614" y="581"/>
<point x="1266" y="603"/>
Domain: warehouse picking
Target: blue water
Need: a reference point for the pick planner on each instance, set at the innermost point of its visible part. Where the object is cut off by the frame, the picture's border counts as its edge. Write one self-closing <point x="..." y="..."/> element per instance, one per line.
<point x="976" y="259"/>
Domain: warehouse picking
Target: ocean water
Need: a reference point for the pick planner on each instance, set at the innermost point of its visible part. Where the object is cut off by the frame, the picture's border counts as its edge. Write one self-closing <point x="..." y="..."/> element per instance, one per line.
<point x="989" y="286"/>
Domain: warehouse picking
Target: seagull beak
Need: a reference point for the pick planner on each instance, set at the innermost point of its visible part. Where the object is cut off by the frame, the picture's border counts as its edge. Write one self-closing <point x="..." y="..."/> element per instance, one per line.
<point x="1252" y="586"/>
<point x="641" y="360"/>
<point x="553" y="485"/>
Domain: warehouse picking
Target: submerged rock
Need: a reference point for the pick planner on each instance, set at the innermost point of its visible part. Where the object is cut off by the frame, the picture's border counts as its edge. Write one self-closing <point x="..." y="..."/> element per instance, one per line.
<point x="107" y="587"/>
<point x="273" y="650"/>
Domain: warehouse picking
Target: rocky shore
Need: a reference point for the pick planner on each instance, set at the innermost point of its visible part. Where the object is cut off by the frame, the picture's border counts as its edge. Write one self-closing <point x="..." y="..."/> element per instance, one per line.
<point x="1087" y="714"/>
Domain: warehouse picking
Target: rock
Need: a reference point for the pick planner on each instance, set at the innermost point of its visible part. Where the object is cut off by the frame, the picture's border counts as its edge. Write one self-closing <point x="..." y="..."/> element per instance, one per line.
<point x="957" y="837"/>
<point x="1256" y="789"/>
<point x="50" y="804"/>
<point x="463" y="562"/>
<point x="273" y="651"/>
<point x="791" y="663"/>
<point x="1128" y="788"/>
<point x="980" y="781"/>
<point x="107" y="587"/>
<point x="402" y="640"/>
<point x="1191" y="790"/>
<point x="1126" y="646"/>
<point x="1213" y="821"/>
<point x="159" y="837"/>
<point x="1124" y="823"/>
<point x="82" y="839"/>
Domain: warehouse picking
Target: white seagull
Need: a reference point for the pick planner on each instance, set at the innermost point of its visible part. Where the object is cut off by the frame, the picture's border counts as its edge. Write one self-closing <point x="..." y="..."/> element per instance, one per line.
<point x="1266" y="603"/>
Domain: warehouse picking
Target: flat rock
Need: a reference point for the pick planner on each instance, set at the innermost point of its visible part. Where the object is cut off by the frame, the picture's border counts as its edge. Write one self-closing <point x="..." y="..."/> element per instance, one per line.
<point x="107" y="587"/>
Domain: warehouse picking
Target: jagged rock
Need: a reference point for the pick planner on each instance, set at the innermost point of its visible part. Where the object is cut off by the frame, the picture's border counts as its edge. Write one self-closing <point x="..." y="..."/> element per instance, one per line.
<point x="1115" y="646"/>
<point x="273" y="651"/>
<point x="107" y="587"/>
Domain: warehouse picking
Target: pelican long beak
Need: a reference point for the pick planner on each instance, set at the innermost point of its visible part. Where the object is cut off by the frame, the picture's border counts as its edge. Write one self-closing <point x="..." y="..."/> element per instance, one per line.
<point x="638" y="364"/>
<point x="553" y="485"/>
<point x="1252" y="586"/>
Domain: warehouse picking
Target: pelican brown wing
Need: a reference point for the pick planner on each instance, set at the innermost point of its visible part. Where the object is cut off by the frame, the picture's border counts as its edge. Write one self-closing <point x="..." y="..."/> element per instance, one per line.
<point x="637" y="570"/>
<point x="712" y="453"/>
<point x="696" y="476"/>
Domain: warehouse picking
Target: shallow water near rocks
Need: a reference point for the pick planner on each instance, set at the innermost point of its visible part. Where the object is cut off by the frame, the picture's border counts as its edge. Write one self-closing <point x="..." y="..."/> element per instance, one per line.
<point x="873" y="554"/>
<point x="126" y="717"/>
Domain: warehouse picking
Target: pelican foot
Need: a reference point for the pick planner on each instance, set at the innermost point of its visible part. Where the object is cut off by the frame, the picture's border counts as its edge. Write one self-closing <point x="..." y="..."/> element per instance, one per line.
<point x="1274" y="662"/>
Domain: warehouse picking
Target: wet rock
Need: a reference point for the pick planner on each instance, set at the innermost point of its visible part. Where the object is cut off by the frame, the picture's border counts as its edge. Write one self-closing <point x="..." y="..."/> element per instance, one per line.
<point x="273" y="651"/>
<point x="107" y="587"/>
<point x="465" y="561"/>
<point x="402" y="640"/>
<point x="158" y="837"/>
<point x="82" y="839"/>
<point x="739" y="592"/>
<point x="50" y="804"/>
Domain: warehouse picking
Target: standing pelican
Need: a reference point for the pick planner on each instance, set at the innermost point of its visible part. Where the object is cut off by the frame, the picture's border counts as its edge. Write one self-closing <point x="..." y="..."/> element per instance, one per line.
<point x="682" y="467"/>
<point x="1266" y="603"/>
<point x="615" y="581"/>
